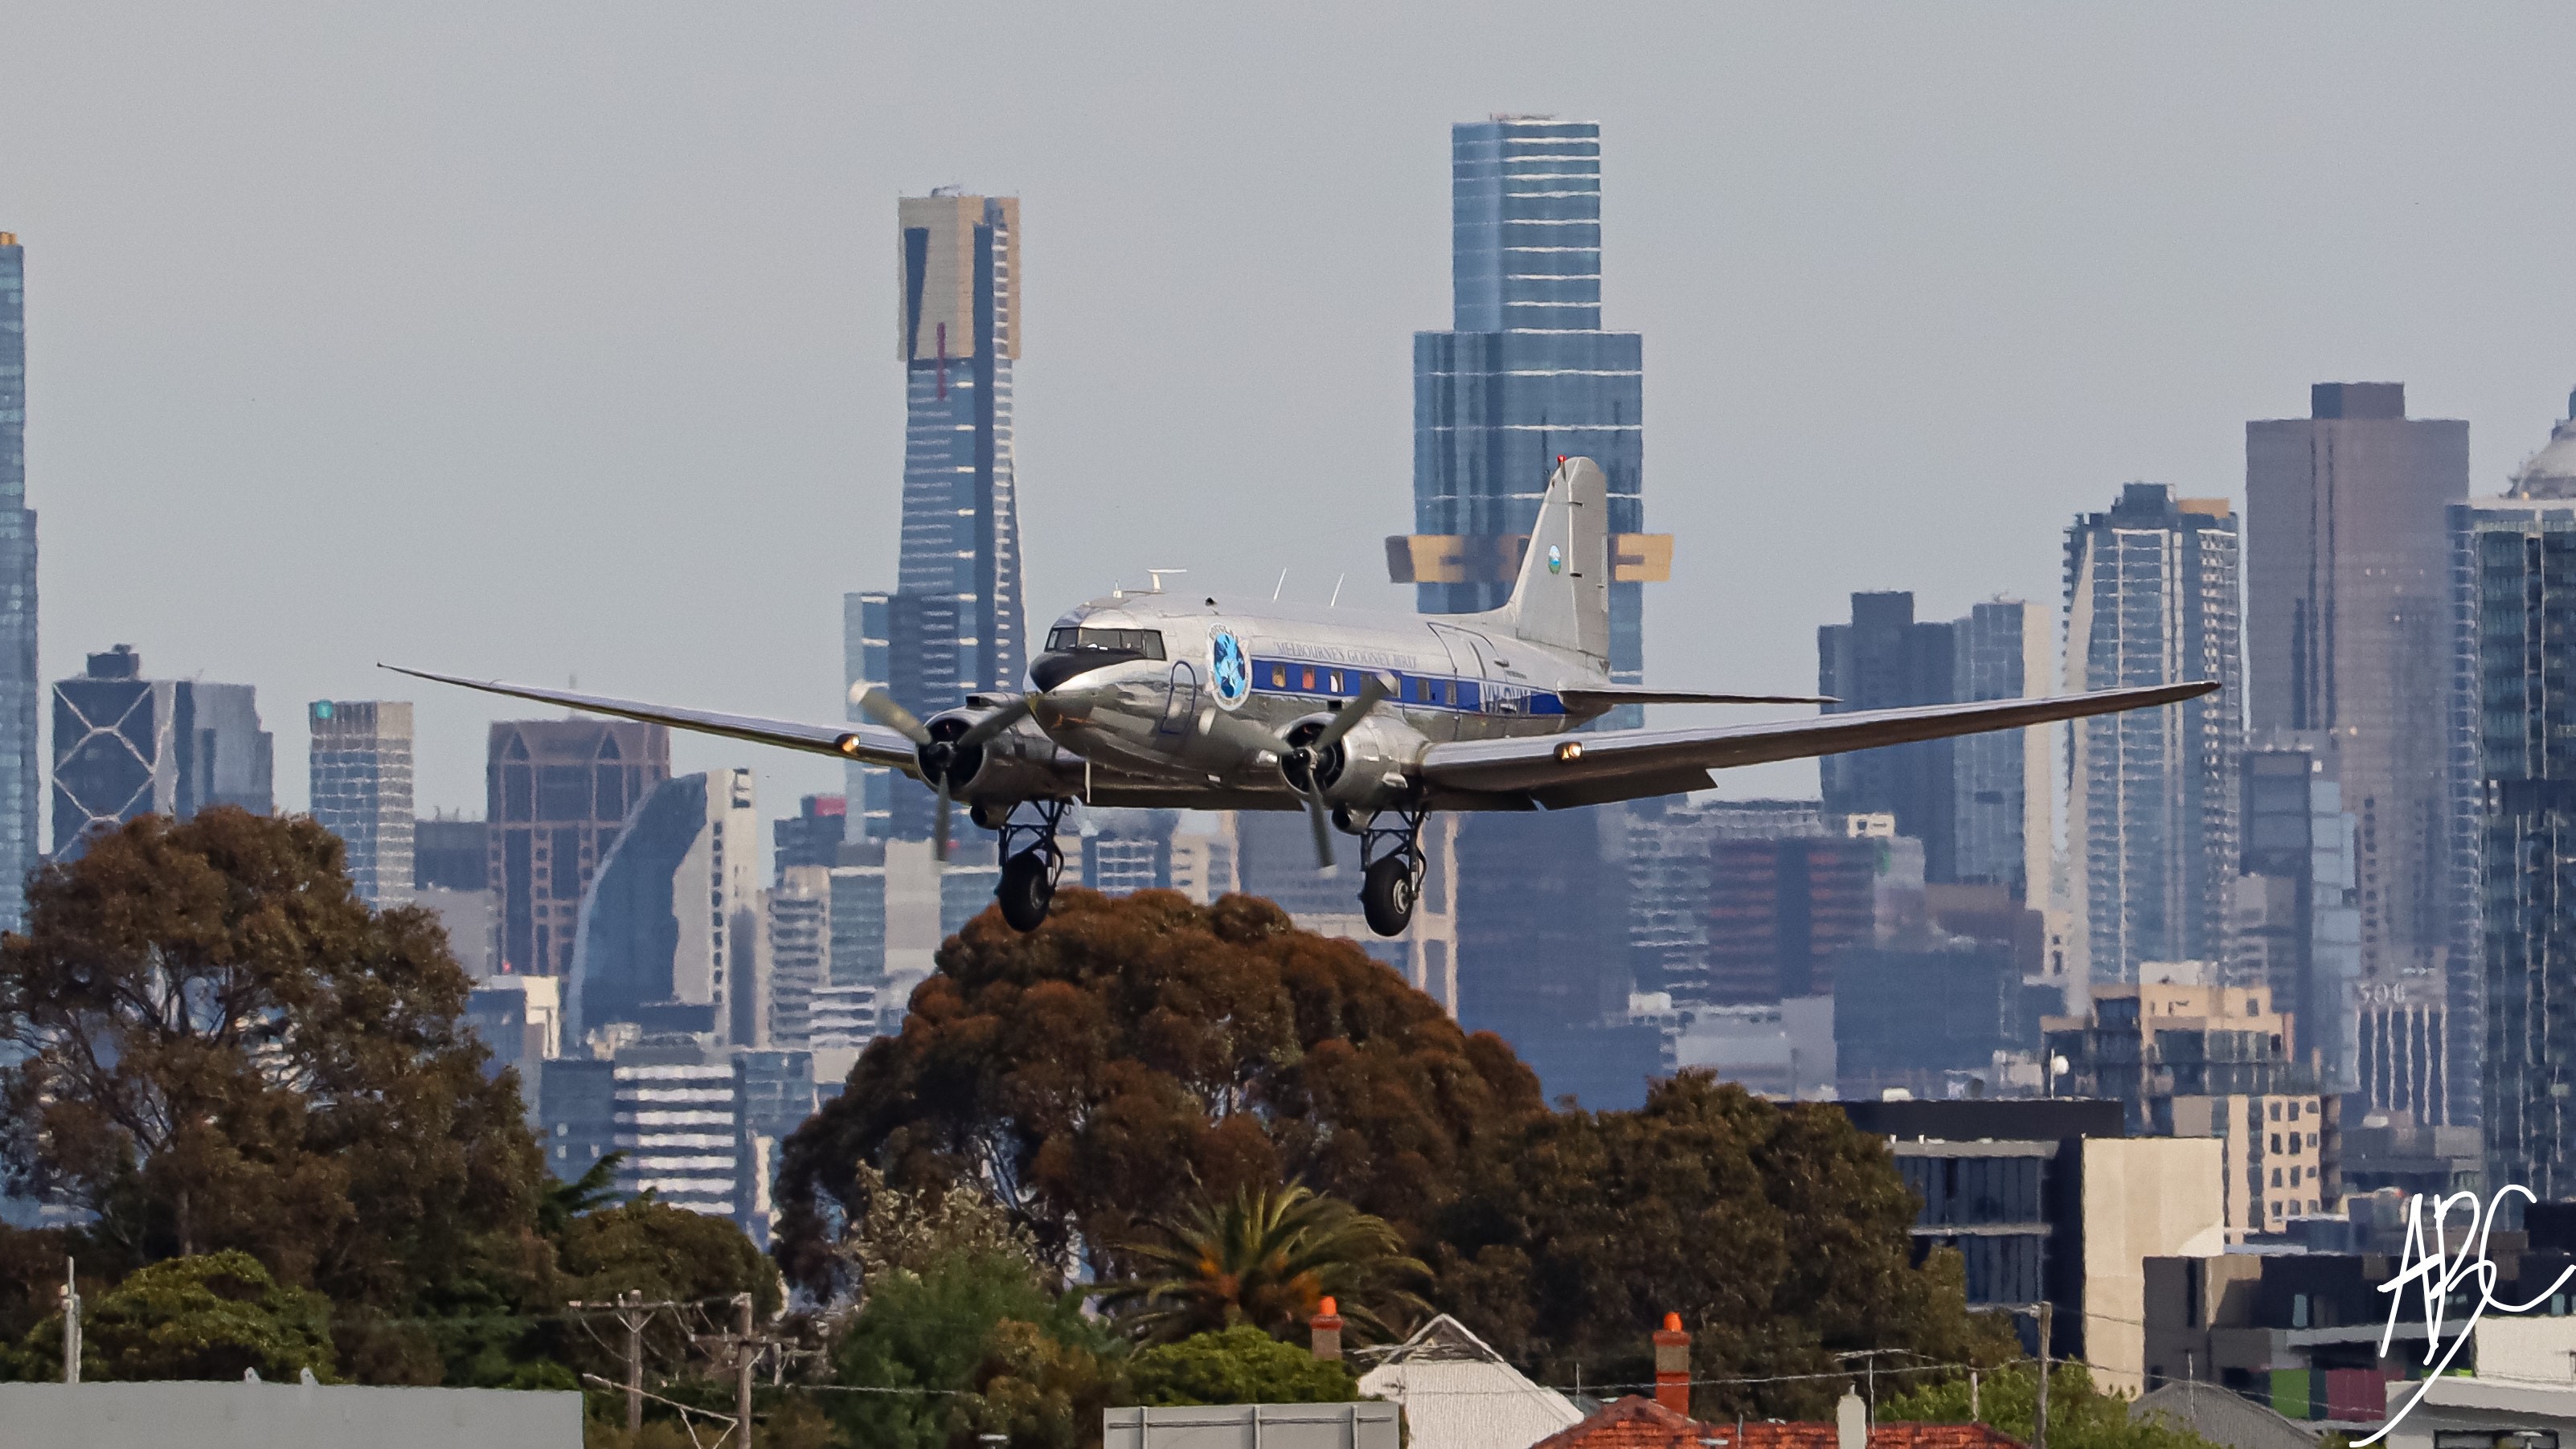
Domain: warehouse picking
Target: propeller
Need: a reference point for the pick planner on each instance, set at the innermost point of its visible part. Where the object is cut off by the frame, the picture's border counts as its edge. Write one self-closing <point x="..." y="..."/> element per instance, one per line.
<point x="1309" y="757"/>
<point x="938" y="757"/>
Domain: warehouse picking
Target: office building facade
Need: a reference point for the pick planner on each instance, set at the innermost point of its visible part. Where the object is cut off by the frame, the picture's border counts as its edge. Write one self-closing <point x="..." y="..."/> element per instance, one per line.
<point x="361" y="790"/>
<point x="555" y="794"/>
<point x="21" y="687"/>
<point x="955" y="623"/>
<point x="1525" y="376"/>
<point x="2003" y="782"/>
<point x="126" y="746"/>
<point x="2151" y="811"/>
<point x="670" y="932"/>
<point x="2352" y="649"/>
<point x="2297" y="926"/>
<point x="1884" y="659"/>
<point x="799" y="911"/>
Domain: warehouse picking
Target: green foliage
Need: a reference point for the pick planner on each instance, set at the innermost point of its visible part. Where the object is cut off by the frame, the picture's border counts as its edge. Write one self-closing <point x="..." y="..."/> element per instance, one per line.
<point x="1267" y="1257"/>
<point x="1097" y="1071"/>
<point x="894" y="1229"/>
<point x="650" y="1247"/>
<point x="2079" y="1416"/>
<point x="205" y="1317"/>
<point x="1238" y="1365"/>
<point x="1780" y="1235"/>
<point x="1006" y="1356"/>
<point x="225" y="1048"/>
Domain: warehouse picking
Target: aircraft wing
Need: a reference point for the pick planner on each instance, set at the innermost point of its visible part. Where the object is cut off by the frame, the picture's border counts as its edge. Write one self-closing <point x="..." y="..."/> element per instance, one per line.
<point x="866" y="743"/>
<point x="1558" y="771"/>
<point x="1610" y="696"/>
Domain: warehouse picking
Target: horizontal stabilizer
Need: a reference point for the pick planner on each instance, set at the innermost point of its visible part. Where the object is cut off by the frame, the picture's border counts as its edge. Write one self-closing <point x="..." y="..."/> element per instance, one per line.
<point x="866" y="743"/>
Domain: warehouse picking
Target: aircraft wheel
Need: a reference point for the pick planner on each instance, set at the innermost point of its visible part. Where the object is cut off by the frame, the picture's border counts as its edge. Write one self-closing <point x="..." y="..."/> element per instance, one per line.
<point x="1025" y="890"/>
<point x="1386" y="896"/>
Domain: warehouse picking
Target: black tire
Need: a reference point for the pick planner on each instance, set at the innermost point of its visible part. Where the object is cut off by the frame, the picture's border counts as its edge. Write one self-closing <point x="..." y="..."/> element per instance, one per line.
<point x="1386" y="897"/>
<point x="1025" y="890"/>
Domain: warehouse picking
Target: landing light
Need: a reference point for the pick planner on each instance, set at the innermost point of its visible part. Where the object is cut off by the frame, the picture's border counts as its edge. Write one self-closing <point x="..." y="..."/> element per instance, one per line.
<point x="1570" y="751"/>
<point x="847" y="744"/>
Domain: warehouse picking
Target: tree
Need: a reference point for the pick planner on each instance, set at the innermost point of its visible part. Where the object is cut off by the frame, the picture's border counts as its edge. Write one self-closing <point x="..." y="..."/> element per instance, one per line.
<point x="649" y="1247"/>
<point x="1238" y="1365"/>
<point x="1092" y="1074"/>
<point x="1779" y="1234"/>
<point x="898" y="1231"/>
<point x="206" y="1317"/>
<point x="2079" y="1415"/>
<point x="1267" y="1257"/>
<point x="222" y="1047"/>
<point x="972" y="1345"/>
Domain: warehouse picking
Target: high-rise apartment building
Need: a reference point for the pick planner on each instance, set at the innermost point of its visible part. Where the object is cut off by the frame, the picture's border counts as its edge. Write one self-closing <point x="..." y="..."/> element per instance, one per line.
<point x="361" y="762"/>
<point x="2297" y="924"/>
<point x="1884" y="659"/>
<point x="811" y="836"/>
<point x="2518" y="597"/>
<point x="126" y="746"/>
<point x="21" y="770"/>
<point x="670" y="930"/>
<point x="799" y="908"/>
<point x="2350" y="651"/>
<point x="1525" y="376"/>
<point x="555" y="793"/>
<point x="954" y="623"/>
<point x="2151" y="810"/>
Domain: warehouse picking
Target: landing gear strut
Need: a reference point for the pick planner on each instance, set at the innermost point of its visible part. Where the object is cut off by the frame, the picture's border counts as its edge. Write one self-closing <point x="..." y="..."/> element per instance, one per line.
<point x="1391" y="867"/>
<point x="1031" y="862"/>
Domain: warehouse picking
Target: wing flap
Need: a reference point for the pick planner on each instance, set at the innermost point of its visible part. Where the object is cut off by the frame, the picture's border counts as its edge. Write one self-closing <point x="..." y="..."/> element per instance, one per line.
<point x="1611" y="696"/>
<point x="1628" y="764"/>
<point x="866" y="743"/>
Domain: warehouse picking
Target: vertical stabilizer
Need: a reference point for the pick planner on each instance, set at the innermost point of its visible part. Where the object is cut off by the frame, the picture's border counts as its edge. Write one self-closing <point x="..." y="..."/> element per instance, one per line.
<point x="1563" y="597"/>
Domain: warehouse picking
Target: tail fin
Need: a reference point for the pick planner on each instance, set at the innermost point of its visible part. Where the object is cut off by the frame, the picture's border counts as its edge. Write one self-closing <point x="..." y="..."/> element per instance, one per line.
<point x="1562" y="599"/>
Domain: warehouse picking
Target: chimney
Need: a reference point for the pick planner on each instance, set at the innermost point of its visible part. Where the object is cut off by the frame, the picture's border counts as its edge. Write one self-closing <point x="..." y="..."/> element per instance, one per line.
<point x="1672" y="1366"/>
<point x="1326" y="1326"/>
<point x="1851" y="1422"/>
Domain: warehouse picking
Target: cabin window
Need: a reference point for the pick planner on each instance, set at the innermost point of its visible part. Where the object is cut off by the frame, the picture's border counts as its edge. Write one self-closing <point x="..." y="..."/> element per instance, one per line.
<point x="1306" y="680"/>
<point x="1278" y="676"/>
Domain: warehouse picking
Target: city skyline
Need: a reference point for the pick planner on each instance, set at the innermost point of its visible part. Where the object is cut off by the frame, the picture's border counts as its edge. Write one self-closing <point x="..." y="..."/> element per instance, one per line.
<point x="1835" y="317"/>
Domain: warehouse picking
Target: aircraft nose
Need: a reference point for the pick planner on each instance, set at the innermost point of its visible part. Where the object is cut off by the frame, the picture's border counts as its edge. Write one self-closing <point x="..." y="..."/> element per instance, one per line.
<point x="1052" y="669"/>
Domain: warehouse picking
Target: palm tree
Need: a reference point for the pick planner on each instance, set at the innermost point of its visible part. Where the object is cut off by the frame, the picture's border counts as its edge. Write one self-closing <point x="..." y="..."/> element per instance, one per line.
<point x="1269" y="1258"/>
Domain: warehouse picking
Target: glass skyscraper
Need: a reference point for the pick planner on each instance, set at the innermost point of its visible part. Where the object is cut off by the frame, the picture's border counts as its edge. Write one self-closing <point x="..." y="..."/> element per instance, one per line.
<point x="1526" y="375"/>
<point x="361" y="764"/>
<point x="20" y="689"/>
<point x="954" y="624"/>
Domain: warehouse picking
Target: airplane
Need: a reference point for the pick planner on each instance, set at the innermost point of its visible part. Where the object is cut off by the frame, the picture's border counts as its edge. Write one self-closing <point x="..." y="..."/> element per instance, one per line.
<point x="1368" y="721"/>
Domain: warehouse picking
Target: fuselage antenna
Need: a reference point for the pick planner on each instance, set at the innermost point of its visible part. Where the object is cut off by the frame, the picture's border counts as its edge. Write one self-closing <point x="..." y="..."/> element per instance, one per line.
<point x="1275" y="588"/>
<point x="1337" y="593"/>
<point x="1157" y="576"/>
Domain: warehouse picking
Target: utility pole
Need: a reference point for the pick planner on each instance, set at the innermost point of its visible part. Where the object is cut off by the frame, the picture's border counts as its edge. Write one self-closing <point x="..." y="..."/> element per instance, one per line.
<point x="71" y="1322"/>
<point x="632" y="1314"/>
<point x="2039" y="1420"/>
<point x="744" y="1353"/>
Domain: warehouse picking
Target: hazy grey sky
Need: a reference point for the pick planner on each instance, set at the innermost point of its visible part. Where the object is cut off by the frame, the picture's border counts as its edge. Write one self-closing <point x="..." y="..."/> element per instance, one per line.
<point x="537" y="341"/>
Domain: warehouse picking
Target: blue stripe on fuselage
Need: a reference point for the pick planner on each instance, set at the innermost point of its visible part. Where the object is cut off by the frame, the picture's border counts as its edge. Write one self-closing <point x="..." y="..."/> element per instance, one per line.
<point x="1414" y="691"/>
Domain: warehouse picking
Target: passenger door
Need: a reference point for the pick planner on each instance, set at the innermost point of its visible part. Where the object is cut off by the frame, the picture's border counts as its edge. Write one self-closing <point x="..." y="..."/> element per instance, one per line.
<point x="1182" y="702"/>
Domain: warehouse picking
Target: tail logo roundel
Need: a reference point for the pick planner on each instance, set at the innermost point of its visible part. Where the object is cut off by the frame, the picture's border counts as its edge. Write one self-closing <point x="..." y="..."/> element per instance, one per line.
<point x="1555" y="559"/>
<point x="1228" y="668"/>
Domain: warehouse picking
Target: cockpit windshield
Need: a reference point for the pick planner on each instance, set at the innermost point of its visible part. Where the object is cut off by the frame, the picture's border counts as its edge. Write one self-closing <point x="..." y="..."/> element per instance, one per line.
<point x="1143" y="643"/>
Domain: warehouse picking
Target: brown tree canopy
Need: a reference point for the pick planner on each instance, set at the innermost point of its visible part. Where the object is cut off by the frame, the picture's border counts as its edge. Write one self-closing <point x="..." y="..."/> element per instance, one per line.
<point x="225" y="1048"/>
<point x="1779" y="1234"/>
<point x="1111" y="1066"/>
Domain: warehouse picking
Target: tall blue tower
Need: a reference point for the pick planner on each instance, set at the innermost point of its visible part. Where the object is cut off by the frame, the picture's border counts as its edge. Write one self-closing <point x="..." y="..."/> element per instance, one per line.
<point x="21" y="692"/>
<point x="1525" y="376"/>
<point x="954" y="623"/>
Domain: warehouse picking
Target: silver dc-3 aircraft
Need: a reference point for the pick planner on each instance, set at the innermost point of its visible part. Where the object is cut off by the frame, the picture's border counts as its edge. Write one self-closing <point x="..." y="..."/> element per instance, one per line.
<point x="1368" y="721"/>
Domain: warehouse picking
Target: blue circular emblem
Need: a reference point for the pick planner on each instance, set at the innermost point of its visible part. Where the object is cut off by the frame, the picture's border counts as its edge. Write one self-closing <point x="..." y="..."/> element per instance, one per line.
<point x="1231" y="671"/>
<point x="1555" y="559"/>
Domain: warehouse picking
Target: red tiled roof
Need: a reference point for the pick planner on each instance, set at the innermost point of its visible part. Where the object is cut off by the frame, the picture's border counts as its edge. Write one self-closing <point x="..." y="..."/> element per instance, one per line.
<point x="1636" y="1422"/>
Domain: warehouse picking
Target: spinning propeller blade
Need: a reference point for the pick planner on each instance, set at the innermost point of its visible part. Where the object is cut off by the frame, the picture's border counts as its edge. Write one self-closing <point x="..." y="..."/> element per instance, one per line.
<point x="878" y="705"/>
<point x="1373" y="692"/>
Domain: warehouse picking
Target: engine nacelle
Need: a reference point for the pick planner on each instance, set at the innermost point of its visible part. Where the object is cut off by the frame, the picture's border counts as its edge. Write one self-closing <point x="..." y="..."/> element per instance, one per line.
<point x="1020" y="763"/>
<point x="1367" y="769"/>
